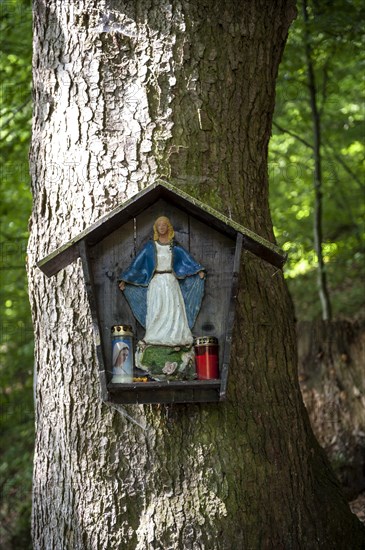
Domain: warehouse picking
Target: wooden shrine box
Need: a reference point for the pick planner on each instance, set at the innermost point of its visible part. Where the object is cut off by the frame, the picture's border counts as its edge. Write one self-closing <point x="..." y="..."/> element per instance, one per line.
<point x="108" y="246"/>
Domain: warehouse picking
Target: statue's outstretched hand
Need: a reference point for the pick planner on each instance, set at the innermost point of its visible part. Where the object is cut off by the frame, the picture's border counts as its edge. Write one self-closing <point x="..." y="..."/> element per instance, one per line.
<point x="202" y="274"/>
<point x="121" y="285"/>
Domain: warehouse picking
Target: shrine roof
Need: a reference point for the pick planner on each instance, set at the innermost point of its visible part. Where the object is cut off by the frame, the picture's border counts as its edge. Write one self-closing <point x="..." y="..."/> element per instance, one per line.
<point x="131" y="208"/>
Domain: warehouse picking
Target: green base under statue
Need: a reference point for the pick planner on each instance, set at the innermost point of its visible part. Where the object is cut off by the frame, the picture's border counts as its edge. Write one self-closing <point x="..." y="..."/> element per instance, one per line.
<point x="166" y="363"/>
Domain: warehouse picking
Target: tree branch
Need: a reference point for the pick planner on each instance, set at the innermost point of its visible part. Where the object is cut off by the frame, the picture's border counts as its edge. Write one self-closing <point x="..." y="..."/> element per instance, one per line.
<point x="344" y="165"/>
<point x="14" y="114"/>
<point x="292" y="134"/>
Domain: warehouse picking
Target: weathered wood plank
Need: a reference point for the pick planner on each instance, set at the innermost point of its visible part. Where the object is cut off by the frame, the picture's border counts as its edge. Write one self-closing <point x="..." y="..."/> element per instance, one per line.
<point x="168" y="385"/>
<point x="110" y="257"/>
<point x="91" y="293"/>
<point x="263" y="252"/>
<point x="171" y="392"/>
<point x="216" y="252"/>
<point x="60" y="258"/>
<point x="230" y="317"/>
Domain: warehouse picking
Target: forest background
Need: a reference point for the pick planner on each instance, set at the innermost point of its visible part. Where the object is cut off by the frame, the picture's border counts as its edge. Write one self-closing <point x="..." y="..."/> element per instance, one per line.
<point x="317" y="194"/>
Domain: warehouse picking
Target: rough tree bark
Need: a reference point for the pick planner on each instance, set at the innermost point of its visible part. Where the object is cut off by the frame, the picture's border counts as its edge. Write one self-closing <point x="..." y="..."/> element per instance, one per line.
<point x="126" y="92"/>
<point x="332" y="378"/>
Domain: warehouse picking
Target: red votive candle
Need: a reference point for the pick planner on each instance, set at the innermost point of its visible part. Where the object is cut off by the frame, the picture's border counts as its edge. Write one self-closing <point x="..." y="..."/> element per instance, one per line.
<point x="206" y="357"/>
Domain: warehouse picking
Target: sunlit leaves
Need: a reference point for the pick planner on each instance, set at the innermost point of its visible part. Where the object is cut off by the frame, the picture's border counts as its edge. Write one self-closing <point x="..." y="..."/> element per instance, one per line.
<point x="336" y="40"/>
<point x="16" y="338"/>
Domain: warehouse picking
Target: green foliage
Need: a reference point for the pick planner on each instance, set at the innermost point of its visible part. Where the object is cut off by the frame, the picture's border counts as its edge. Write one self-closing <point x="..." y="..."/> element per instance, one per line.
<point x="336" y="41"/>
<point x="16" y="343"/>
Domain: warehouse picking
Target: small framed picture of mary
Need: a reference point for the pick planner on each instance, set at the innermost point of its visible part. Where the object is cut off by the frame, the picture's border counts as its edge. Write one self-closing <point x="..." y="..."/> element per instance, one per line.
<point x="122" y="354"/>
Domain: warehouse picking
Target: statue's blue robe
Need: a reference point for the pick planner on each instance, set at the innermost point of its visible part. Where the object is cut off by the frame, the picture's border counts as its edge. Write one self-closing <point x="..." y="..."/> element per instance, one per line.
<point x="140" y="272"/>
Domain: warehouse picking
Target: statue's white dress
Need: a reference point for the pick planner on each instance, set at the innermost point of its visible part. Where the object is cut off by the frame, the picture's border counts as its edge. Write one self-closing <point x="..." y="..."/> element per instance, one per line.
<point x="166" y="322"/>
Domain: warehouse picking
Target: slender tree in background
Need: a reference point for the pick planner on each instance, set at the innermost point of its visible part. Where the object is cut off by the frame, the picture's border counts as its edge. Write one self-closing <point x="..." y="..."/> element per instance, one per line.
<point x="317" y="175"/>
<point x="318" y="131"/>
<point x="125" y="93"/>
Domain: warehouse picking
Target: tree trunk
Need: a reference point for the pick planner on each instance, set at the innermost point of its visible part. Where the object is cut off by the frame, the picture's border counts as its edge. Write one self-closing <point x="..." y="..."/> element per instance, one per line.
<point x="126" y="92"/>
<point x="332" y="378"/>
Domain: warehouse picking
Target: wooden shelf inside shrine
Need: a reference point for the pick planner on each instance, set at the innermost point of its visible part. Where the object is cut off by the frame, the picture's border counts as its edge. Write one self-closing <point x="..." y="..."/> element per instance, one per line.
<point x="166" y="392"/>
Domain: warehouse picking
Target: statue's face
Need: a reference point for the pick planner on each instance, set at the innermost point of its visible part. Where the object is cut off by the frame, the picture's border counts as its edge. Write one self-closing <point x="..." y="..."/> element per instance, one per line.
<point x="162" y="227"/>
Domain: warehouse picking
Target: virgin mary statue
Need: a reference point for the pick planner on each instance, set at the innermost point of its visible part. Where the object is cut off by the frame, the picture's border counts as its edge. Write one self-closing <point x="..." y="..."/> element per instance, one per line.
<point x="164" y="287"/>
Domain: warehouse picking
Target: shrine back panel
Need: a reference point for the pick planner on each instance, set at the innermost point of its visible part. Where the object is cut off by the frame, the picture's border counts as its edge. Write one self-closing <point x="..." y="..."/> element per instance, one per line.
<point x="210" y="248"/>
